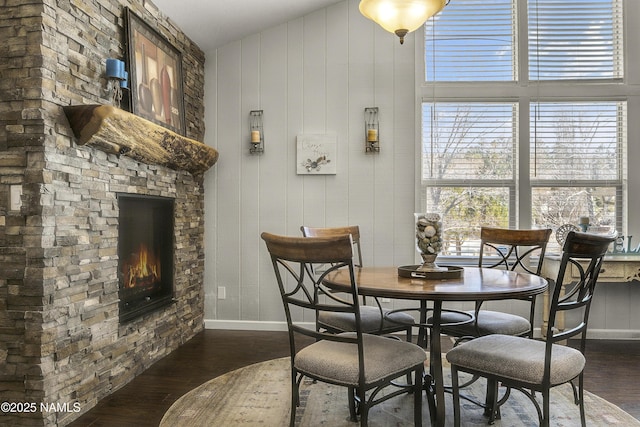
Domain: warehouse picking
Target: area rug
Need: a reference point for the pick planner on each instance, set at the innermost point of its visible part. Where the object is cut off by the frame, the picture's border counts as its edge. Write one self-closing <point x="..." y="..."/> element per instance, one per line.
<point x="258" y="395"/>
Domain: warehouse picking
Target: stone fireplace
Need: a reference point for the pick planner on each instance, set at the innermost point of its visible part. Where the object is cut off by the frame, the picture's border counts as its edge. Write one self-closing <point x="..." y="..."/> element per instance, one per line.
<point x="61" y="339"/>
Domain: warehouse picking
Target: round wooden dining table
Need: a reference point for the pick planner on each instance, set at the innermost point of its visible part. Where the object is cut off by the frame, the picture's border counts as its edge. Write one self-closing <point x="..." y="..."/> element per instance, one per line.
<point x="473" y="284"/>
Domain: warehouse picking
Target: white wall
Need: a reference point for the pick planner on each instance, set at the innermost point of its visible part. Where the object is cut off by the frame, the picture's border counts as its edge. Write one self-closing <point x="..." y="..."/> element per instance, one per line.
<point x="316" y="74"/>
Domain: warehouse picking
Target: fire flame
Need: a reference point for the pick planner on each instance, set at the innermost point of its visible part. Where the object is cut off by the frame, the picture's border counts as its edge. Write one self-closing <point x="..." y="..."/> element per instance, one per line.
<point x="141" y="269"/>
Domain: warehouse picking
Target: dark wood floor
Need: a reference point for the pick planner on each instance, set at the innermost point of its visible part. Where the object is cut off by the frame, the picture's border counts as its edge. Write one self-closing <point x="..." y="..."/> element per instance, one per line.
<point x="613" y="373"/>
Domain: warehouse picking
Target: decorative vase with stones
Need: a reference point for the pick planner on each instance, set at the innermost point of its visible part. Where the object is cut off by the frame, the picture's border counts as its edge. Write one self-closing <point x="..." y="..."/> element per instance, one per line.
<point x="429" y="240"/>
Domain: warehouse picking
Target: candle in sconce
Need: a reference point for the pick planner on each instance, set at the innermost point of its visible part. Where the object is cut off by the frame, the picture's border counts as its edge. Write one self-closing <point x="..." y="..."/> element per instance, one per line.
<point x="255" y="136"/>
<point x="372" y="135"/>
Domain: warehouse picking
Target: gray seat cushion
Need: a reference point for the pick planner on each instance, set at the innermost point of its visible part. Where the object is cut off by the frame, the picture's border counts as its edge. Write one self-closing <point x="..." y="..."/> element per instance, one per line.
<point x="517" y="358"/>
<point x="369" y="318"/>
<point x="489" y="322"/>
<point x="337" y="362"/>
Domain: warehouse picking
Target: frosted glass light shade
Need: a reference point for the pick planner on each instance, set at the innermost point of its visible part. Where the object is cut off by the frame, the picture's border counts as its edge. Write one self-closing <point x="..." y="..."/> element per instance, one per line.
<point x="400" y="16"/>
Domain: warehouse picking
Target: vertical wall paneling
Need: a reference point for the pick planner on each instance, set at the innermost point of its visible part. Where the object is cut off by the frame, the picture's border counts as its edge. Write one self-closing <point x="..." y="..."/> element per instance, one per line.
<point x="361" y="95"/>
<point x="211" y="189"/>
<point x="250" y="168"/>
<point x="632" y="306"/>
<point x="314" y="115"/>
<point x="315" y="74"/>
<point x="230" y="132"/>
<point x="383" y="178"/>
<point x="315" y="109"/>
<point x="274" y="170"/>
<point x="615" y="296"/>
<point x="295" y="123"/>
<point x="633" y="152"/>
<point x="337" y="113"/>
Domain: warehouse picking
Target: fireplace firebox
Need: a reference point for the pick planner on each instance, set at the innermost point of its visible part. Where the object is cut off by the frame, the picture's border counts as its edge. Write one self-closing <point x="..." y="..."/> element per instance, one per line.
<point x="145" y="251"/>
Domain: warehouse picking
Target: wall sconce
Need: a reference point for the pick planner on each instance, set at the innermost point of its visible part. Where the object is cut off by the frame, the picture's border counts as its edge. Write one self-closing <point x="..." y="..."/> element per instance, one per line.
<point x="117" y="80"/>
<point x="257" y="133"/>
<point x="371" y="130"/>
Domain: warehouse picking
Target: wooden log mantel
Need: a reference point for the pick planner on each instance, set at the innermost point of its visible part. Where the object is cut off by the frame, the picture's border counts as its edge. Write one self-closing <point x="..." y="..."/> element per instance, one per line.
<point x="119" y="132"/>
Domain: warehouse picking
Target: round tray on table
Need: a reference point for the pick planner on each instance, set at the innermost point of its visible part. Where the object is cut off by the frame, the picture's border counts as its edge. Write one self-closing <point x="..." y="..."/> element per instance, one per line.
<point x="413" y="272"/>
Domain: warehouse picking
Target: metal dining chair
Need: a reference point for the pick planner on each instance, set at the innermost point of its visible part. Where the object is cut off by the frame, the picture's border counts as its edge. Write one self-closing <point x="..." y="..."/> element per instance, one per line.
<point x="364" y="363"/>
<point x="510" y="250"/>
<point x="531" y="366"/>
<point x="375" y="319"/>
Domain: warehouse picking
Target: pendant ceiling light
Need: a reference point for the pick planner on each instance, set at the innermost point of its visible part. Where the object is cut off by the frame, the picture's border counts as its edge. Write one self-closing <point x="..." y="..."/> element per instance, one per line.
<point x="400" y="16"/>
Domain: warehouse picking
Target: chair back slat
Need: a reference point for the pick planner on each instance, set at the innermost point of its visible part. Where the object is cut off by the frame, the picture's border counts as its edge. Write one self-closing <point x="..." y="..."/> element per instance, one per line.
<point x="318" y="250"/>
<point x="520" y="245"/>
<point x="352" y="230"/>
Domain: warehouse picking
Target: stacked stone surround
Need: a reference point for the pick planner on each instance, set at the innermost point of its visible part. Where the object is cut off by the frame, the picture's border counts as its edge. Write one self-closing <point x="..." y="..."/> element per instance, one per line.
<point x="60" y="339"/>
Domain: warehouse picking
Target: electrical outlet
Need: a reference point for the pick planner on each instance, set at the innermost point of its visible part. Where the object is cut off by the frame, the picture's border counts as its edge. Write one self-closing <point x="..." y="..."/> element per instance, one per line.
<point x="15" y="199"/>
<point x="222" y="292"/>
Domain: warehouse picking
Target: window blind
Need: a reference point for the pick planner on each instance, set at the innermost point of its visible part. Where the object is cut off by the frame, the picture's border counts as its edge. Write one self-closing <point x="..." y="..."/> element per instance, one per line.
<point x="577" y="165"/>
<point x="578" y="39"/>
<point x="468" y="141"/>
<point x="472" y="40"/>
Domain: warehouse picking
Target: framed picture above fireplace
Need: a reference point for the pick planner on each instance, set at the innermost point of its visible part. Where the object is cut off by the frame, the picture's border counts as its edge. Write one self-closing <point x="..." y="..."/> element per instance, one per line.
<point x="155" y="75"/>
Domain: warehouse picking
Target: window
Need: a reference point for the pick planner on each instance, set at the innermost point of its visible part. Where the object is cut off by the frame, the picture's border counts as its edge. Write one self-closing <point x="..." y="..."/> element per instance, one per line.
<point x="471" y="142"/>
<point x="523" y="138"/>
<point x="576" y="162"/>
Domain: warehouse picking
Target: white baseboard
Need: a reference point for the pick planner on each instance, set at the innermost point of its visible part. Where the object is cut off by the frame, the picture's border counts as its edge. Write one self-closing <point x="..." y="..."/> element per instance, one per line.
<point x="255" y="325"/>
<point x="613" y="334"/>
<point x="248" y="325"/>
